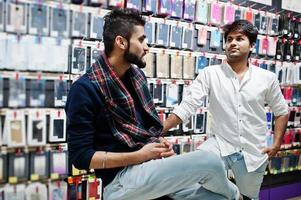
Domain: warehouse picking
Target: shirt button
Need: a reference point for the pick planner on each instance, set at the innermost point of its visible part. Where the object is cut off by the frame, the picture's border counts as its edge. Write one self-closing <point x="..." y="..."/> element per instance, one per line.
<point x="239" y="105"/>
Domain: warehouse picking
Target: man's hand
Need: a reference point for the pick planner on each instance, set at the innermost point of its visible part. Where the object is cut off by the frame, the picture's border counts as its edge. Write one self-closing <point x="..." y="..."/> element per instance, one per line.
<point x="155" y="151"/>
<point x="271" y="151"/>
<point x="167" y="145"/>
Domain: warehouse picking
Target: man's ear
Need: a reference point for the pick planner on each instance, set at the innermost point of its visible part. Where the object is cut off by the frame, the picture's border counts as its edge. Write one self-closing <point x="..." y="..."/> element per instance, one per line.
<point x="121" y="42"/>
<point x="252" y="46"/>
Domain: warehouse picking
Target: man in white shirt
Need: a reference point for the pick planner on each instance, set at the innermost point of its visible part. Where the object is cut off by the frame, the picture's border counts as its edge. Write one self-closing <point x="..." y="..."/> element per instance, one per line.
<point x="237" y="93"/>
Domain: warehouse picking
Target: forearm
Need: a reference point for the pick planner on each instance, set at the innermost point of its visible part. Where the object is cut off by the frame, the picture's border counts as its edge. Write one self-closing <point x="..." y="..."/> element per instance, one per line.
<point x="279" y="129"/>
<point x="172" y="121"/>
<point x="103" y="159"/>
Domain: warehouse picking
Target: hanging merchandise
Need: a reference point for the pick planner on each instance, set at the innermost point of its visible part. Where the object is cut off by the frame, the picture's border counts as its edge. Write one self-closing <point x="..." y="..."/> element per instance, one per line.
<point x="287" y="55"/>
<point x="272" y="46"/>
<point x="17" y="52"/>
<point x="176" y="66"/>
<point x="79" y="23"/>
<point x="116" y="3"/>
<point x="199" y="123"/>
<point x="150" y="6"/>
<point x="3" y="167"/>
<point x="149" y="30"/>
<point x="216" y="14"/>
<point x="18" y="163"/>
<point x="57" y="128"/>
<point x="215" y="61"/>
<point x="158" y="93"/>
<point x="274" y="22"/>
<point x="79" y="55"/>
<point x="162" y="64"/>
<point x="60" y="92"/>
<point x="39" y="165"/>
<point x="1" y="98"/>
<point x="14" y="128"/>
<point x="285" y="26"/>
<point x="249" y="15"/>
<point x="36" y="127"/>
<point x="263" y="45"/>
<point x="38" y="19"/>
<point x="17" y="92"/>
<point x="58" y="54"/>
<point x="149" y="69"/>
<point x="176" y="36"/>
<point x="263" y="24"/>
<point x="14" y="192"/>
<point x="162" y="33"/>
<point x="188" y="65"/>
<point x="202" y="62"/>
<point x="296" y="52"/>
<point x="188" y="126"/>
<point x="188" y="36"/>
<point x="295" y="27"/>
<point x="186" y="146"/>
<point x="38" y="53"/>
<point x="216" y="38"/>
<point x="279" y="50"/>
<point x="201" y="13"/>
<point x="165" y="7"/>
<point x="229" y="13"/>
<point x="37" y="93"/>
<point x="96" y="50"/>
<point x="36" y="191"/>
<point x="257" y="18"/>
<point x="3" y="50"/>
<point x="2" y="5"/>
<point x="202" y="35"/>
<point x="238" y="14"/>
<point x="96" y="28"/>
<point x="177" y="8"/>
<point x="57" y="190"/>
<point x="172" y="95"/>
<point x="97" y="3"/>
<point x="135" y="4"/>
<point x="189" y="9"/>
<point x="16" y="17"/>
<point x="58" y="163"/>
<point x="59" y="22"/>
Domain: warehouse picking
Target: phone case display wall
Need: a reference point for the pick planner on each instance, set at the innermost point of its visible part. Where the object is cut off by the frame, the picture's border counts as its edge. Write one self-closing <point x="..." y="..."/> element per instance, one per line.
<point x="44" y="46"/>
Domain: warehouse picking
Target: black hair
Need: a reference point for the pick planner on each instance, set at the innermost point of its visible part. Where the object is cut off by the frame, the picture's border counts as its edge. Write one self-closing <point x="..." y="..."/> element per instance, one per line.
<point x="120" y="21"/>
<point x="243" y="26"/>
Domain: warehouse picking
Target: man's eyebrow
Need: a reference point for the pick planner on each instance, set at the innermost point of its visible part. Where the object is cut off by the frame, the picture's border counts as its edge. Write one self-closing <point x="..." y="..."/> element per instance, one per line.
<point x="142" y="37"/>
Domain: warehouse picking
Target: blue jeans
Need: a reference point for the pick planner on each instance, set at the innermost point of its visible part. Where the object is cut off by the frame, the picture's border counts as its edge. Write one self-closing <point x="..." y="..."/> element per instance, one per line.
<point x="248" y="183"/>
<point x="195" y="175"/>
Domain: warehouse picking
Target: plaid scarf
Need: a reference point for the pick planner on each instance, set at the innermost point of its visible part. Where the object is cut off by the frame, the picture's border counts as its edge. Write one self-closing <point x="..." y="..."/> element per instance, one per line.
<point x="119" y="104"/>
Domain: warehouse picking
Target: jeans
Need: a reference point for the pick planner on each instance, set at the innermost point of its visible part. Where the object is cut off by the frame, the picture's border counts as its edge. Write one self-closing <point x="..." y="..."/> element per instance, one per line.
<point x="248" y="183"/>
<point x="195" y="175"/>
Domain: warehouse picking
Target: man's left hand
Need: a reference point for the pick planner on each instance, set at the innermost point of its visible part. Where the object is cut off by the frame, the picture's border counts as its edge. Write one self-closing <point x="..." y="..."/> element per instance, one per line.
<point x="271" y="151"/>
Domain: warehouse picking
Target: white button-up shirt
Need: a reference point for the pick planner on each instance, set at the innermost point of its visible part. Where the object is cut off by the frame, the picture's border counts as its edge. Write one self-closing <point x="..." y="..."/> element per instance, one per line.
<point x="237" y="108"/>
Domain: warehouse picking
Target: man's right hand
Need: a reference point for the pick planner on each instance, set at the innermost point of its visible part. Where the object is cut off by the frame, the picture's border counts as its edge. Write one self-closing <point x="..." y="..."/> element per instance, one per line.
<point x="155" y="151"/>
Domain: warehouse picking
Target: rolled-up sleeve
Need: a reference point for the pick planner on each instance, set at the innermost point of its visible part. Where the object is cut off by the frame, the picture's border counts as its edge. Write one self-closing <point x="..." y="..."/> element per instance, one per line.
<point x="194" y="97"/>
<point x="275" y="99"/>
<point x="80" y="129"/>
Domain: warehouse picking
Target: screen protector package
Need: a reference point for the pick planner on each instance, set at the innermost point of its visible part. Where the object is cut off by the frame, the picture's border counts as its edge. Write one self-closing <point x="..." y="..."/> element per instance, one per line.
<point x="162" y="64"/>
<point x="39" y="164"/>
<point x="37" y="93"/>
<point x="36" y="127"/>
<point x="59" y="22"/>
<point x="80" y="24"/>
<point x="17" y="92"/>
<point x="60" y="93"/>
<point x="188" y="66"/>
<point x="79" y="56"/>
<point x="97" y="23"/>
<point x="18" y="163"/>
<point x="149" y="29"/>
<point x="14" y="128"/>
<point x="2" y="5"/>
<point x="176" y="36"/>
<point x="57" y="129"/>
<point x="38" y="19"/>
<point x="59" y="162"/>
<point x="16" y="17"/>
<point x="172" y="95"/>
<point x="176" y="66"/>
<point x="149" y="69"/>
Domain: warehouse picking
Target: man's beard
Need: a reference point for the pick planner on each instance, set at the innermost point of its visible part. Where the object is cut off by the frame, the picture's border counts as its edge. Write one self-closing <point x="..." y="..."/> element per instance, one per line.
<point x="134" y="59"/>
